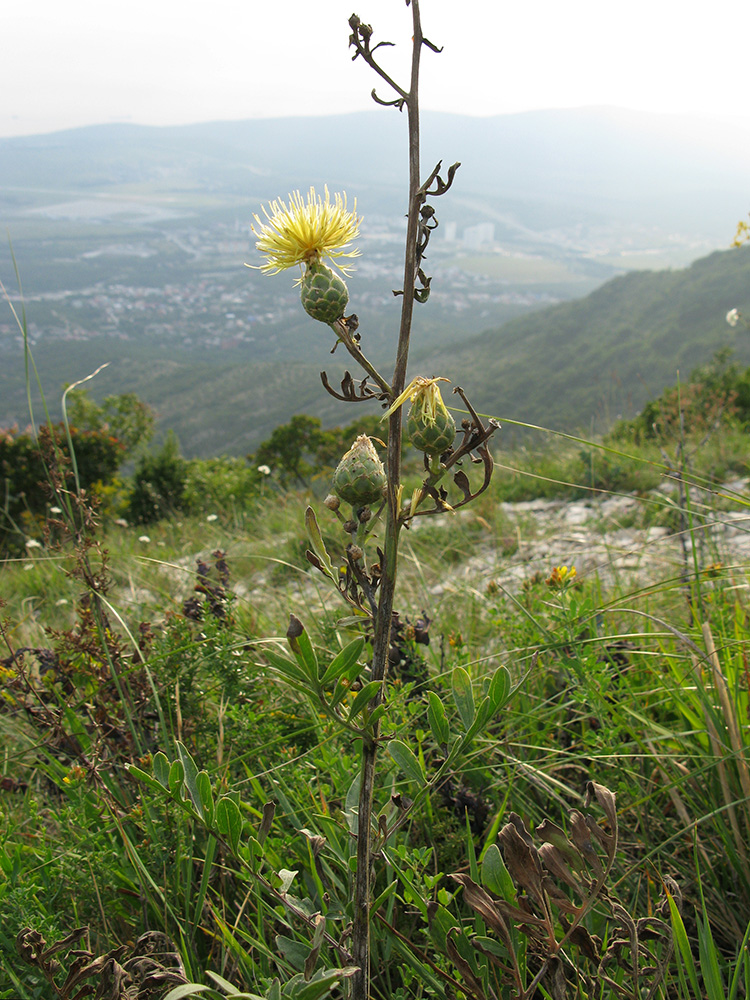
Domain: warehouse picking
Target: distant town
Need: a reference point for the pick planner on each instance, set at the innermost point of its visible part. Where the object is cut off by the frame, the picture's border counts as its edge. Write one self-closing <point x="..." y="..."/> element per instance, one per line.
<point x="211" y="301"/>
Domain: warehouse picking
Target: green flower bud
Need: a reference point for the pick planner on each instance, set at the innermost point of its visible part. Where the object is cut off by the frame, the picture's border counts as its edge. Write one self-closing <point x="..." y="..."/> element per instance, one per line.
<point x="324" y="294"/>
<point x="360" y="477"/>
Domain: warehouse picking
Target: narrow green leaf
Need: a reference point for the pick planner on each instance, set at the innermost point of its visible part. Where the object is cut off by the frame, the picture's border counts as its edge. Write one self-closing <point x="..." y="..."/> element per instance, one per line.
<point x="712" y="977"/>
<point x="743" y="959"/>
<point x="203" y="784"/>
<point x="343" y="661"/>
<point x="495" y="876"/>
<point x="317" y="543"/>
<point x="342" y="684"/>
<point x="384" y="896"/>
<point x="351" y="805"/>
<point x="229" y="821"/>
<point x="161" y="768"/>
<point x="377" y="713"/>
<point x="143" y="776"/>
<point x="176" y="777"/>
<point x="190" y="989"/>
<point x="441" y="922"/>
<point x="499" y="688"/>
<point x="275" y="991"/>
<point x="300" y="645"/>
<point x="191" y="777"/>
<point x="230" y="990"/>
<point x="683" y="945"/>
<point x="436" y="718"/>
<point x="490" y="945"/>
<point x="463" y="695"/>
<point x="320" y="984"/>
<point x="364" y="697"/>
<point x="481" y="717"/>
<point x="285" y="666"/>
<point x="406" y="760"/>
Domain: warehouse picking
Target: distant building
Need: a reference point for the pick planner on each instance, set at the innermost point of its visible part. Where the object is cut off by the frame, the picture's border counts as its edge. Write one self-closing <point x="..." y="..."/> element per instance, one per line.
<point x="476" y="237"/>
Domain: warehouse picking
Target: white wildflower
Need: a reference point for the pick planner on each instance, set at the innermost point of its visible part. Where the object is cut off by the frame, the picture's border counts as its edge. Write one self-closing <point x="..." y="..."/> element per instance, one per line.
<point x="264" y="470"/>
<point x="733" y="317"/>
<point x="212" y="517"/>
<point x="55" y="510"/>
<point x="144" y="538"/>
<point x="32" y="543"/>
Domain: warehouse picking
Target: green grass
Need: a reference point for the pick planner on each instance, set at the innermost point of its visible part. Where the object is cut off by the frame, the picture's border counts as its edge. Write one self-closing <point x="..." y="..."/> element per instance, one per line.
<point x="616" y="684"/>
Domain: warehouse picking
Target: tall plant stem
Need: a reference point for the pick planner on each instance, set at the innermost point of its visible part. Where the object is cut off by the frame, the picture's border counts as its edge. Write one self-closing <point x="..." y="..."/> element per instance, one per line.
<point x="360" y="982"/>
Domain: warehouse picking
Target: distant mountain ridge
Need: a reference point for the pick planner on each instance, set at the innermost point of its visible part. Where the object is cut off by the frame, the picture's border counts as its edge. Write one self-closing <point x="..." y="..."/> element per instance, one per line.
<point x="590" y="158"/>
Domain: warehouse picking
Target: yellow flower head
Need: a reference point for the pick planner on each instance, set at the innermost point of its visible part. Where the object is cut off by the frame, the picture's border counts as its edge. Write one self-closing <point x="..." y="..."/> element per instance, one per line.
<point x="306" y="231"/>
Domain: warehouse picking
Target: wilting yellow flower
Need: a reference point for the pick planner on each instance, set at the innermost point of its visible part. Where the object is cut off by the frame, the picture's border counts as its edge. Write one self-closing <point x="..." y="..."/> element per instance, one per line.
<point x="429" y="425"/>
<point x="306" y="232"/>
<point x="422" y="388"/>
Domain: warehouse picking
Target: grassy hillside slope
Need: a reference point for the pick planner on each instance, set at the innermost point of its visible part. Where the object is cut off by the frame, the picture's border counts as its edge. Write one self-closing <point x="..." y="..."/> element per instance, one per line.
<point x="605" y="355"/>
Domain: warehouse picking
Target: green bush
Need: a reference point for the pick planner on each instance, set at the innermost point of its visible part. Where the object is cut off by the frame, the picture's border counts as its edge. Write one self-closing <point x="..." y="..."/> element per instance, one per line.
<point x="159" y="483"/>
<point x="36" y="470"/>
<point x="220" y="485"/>
<point x="715" y="394"/>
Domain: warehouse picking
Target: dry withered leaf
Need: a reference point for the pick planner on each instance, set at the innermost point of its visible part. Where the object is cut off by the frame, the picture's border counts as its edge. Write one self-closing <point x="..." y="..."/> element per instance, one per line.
<point x="522" y="860"/>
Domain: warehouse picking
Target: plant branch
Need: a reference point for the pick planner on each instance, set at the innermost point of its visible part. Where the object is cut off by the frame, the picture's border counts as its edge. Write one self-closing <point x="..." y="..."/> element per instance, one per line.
<point x="360" y="982"/>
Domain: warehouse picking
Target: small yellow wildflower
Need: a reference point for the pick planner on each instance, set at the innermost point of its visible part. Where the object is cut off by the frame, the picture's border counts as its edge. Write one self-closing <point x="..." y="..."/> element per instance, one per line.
<point x="560" y="576"/>
<point x="306" y="232"/>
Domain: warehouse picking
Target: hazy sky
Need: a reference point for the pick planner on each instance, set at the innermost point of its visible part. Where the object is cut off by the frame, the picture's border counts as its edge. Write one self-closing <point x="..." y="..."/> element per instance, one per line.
<point x="65" y="63"/>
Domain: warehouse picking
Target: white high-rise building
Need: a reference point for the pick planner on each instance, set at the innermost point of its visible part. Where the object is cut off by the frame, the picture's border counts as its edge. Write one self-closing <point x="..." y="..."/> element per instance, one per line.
<point x="478" y="236"/>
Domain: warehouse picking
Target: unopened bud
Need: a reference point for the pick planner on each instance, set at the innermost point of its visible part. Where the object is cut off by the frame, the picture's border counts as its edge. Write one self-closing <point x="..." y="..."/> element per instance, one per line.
<point x="355" y="552"/>
<point x="332" y="502"/>
<point x="324" y="294"/>
<point x="360" y="477"/>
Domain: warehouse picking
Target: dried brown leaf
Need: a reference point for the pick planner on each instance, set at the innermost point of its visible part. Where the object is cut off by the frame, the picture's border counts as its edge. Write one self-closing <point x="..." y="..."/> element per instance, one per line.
<point x="522" y="859"/>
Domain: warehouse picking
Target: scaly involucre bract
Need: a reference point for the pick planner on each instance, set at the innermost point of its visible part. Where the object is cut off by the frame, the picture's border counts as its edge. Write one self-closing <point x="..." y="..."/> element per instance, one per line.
<point x="306" y="231"/>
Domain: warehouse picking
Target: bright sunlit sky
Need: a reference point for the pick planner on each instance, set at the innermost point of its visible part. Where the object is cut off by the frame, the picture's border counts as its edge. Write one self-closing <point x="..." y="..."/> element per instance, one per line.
<point x="162" y="62"/>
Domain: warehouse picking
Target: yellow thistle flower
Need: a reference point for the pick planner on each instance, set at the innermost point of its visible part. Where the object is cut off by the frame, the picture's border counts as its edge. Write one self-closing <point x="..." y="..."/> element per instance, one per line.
<point x="306" y="232"/>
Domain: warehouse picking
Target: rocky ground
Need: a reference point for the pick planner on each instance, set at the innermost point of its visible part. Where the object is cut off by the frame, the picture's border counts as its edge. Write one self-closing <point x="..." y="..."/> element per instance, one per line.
<point x="613" y="539"/>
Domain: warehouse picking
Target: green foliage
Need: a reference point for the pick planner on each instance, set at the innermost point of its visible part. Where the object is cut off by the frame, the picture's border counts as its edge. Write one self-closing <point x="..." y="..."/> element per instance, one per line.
<point x="35" y="471"/>
<point x="714" y="395"/>
<point x="300" y="449"/>
<point x="124" y="416"/>
<point x="159" y="483"/>
<point x="221" y="485"/>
